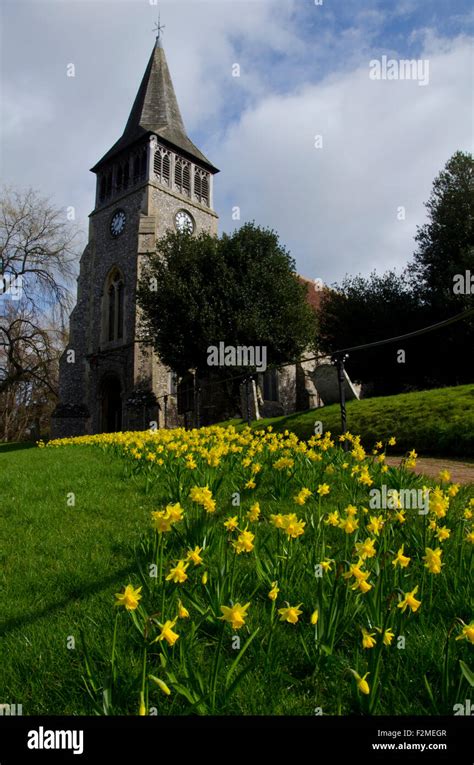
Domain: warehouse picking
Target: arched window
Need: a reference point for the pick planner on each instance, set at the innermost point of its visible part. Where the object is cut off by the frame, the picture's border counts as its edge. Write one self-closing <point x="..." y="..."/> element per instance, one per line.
<point x="201" y="186"/>
<point x="182" y="176"/>
<point x="162" y="165"/>
<point x="114" y="313"/>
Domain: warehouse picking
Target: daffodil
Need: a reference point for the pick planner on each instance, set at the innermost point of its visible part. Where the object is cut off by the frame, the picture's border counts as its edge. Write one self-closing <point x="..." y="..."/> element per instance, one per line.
<point x="467" y="632"/>
<point x="409" y="601"/>
<point x="314" y="617"/>
<point x="194" y="555"/>
<point x="366" y="549"/>
<point x="401" y="559"/>
<point x="278" y="520"/>
<point x="363" y="585"/>
<point x="443" y="533"/>
<point x="178" y="574"/>
<point x="183" y="612"/>
<point x="235" y="615"/>
<point x="273" y="594"/>
<point x="167" y="632"/>
<point x="349" y="525"/>
<point x="376" y="524"/>
<point x="362" y="683"/>
<point x="244" y="542"/>
<point x="388" y="636"/>
<point x="323" y="489"/>
<point x="368" y="640"/>
<point x="175" y="512"/>
<point x="432" y="560"/>
<point x="332" y="518"/>
<point x="254" y="512"/>
<point x="326" y="564"/>
<point x="231" y="523"/>
<point x="302" y="496"/>
<point x="292" y="526"/>
<point x="129" y="597"/>
<point x="290" y="613"/>
<point x="161" y="521"/>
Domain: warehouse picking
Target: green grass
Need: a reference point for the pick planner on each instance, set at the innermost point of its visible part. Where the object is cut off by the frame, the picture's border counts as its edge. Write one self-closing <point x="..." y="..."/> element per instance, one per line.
<point x="59" y="567"/>
<point x="437" y="422"/>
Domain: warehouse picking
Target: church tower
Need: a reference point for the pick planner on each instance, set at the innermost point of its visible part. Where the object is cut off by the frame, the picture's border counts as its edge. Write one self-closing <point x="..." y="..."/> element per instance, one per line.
<point x="152" y="180"/>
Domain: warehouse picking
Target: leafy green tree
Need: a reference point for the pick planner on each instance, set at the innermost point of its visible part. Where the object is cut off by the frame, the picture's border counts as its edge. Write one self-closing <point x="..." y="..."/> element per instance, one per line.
<point x="240" y="289"/>
<point x="442" y="273"/>
<point x="435" y="286"/>
<point x="364" y="310"/>
<point x="446" y="241"/>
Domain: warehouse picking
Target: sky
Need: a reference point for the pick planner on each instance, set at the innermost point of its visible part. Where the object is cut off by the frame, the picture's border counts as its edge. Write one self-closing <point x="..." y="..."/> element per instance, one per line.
<point x="307" y="141"/>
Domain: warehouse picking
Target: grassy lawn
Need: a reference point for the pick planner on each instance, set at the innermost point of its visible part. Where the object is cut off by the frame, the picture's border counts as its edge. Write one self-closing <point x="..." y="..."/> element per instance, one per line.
<point x="438" y="422"/>
<point x="59" y="567"/>
<point x="62" y="564"/>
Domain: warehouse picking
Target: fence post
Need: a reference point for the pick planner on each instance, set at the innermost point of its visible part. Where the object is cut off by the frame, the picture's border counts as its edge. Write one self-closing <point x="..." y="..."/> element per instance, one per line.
<point x="248" y="380"/>
<point x="339" y="362"/>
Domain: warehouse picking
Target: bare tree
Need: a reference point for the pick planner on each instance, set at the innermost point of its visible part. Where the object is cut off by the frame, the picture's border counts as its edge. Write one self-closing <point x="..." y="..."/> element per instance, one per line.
<point x="38" y="259"/>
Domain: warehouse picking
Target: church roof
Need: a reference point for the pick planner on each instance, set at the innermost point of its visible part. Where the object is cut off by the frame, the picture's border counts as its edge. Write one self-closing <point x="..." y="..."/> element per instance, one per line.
<point x="156" y="110"/>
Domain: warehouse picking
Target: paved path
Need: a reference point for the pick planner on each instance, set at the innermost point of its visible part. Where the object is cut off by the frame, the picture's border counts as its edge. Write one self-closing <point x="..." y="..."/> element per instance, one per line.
<point x="461" y="472"/>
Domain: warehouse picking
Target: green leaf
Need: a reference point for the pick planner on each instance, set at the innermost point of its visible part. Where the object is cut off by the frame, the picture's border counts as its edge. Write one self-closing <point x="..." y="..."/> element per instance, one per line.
<point x="238" y="658"/>
<point x="430" y="692"/>
<point x="468" y="673"/>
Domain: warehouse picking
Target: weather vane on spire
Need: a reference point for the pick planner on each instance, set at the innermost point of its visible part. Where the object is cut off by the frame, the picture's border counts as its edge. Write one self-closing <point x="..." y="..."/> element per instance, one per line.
<point x="158" y="28"/>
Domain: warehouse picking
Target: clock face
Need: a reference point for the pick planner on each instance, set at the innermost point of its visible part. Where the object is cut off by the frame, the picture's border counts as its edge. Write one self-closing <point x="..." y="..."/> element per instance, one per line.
<point x="184" y="222"/>
<point x="117" y="224"/>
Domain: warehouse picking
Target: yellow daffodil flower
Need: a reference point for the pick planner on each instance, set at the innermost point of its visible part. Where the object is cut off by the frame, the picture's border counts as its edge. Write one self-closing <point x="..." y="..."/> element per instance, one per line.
<point x="235" y="615"/>
<point x="129" y="597"/>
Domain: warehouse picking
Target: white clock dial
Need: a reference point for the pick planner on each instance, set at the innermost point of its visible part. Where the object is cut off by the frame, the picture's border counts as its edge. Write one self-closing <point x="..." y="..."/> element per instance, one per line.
<point x="184" y="222"/>
<point x="117" y="224"/>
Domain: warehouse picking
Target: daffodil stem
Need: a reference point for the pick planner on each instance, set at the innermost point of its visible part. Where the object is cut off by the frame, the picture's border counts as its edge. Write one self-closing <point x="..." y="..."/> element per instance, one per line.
<point x="144" y="673"/>
<point x="270" y="639"/>
<point x="232" y="572"/>
<point x="215" y="669"/>
<point x="114" y="641"/>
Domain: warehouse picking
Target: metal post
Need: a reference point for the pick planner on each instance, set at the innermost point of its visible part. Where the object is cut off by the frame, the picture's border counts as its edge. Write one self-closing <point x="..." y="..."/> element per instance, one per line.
<point x="247" y="393"/>
<point x="339" y="362"/>
<point x="165" y="400"/>
<point x="198" y="405"/>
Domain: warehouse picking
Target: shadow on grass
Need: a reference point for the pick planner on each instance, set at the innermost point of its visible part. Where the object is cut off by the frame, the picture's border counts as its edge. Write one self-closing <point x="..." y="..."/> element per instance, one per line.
<point x="78" y="592"/>
<point x="16" y="446"/>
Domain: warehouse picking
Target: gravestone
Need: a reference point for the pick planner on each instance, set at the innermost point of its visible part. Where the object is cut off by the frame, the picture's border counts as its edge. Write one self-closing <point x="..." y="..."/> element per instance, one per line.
<point x="326" y="383"/>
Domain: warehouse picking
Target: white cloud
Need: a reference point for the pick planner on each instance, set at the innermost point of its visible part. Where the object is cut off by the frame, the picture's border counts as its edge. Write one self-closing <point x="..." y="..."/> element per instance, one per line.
<point x="383" y="144"/>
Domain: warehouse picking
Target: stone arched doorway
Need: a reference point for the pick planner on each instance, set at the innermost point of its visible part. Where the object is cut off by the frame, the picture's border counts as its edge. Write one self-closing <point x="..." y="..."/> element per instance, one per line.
<point x="111" y="404"/>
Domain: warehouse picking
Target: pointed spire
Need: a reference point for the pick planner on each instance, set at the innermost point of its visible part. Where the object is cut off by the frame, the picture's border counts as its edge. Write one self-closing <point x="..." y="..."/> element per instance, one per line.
<point x="156" y="110"/>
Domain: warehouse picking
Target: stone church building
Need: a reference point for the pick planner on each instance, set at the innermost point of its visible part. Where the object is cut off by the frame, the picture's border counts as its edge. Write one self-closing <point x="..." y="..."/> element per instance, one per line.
<point x="153" y="179"/>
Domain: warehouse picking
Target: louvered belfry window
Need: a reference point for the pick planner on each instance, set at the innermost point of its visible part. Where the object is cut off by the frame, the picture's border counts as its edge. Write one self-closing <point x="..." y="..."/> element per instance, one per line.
<point x="162" y="165"/>
<point x="201" y="186"/>
<point x="182" y="176"/>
